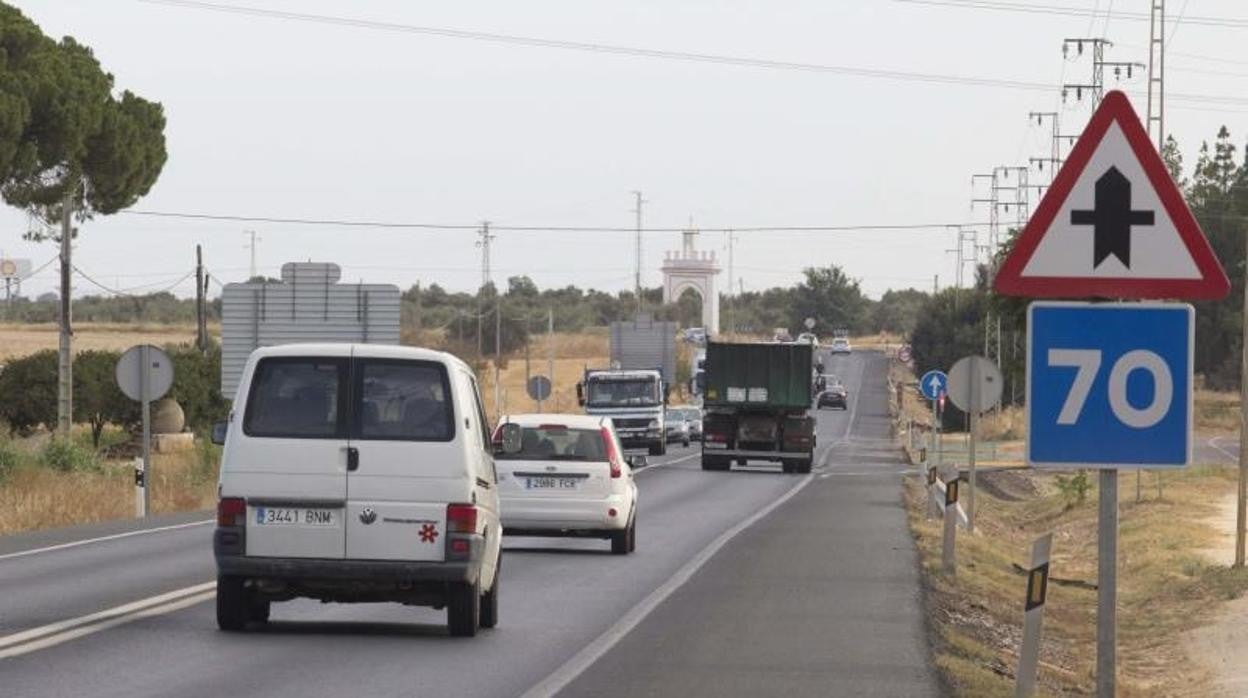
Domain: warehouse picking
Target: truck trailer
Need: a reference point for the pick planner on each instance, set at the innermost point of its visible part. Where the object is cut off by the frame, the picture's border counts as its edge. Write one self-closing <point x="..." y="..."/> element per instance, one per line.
<point x="757" y="406"/>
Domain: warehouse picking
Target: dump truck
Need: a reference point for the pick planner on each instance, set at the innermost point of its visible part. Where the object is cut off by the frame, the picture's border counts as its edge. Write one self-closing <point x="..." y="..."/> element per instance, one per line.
<point x="757" y="406"/>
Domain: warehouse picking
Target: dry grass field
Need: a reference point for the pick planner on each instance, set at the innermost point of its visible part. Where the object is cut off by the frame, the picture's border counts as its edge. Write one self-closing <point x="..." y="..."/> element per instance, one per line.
<point x="22" y="339"/>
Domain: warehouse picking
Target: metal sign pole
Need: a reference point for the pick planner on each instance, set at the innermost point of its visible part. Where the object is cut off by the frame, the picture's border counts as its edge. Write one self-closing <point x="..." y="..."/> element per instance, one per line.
<point x="975" y="398"/>
<point x="145" y="382"/>
<point x="1107" y="584"/>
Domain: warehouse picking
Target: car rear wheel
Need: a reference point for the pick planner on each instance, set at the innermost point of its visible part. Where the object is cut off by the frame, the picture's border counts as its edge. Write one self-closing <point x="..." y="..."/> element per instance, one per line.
<point x="232" y="611"/>
<point x="463" y="609"/>
<point x="258" y="609"/>
<point x="489" y="600"/>
<point x="622" y="541"/>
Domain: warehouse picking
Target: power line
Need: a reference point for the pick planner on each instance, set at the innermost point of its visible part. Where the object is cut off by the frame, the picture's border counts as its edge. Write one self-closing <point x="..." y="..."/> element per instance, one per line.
<point x="1066" y="11"/>
<point x="126" y="293"/>
<point x="475" y="228"/>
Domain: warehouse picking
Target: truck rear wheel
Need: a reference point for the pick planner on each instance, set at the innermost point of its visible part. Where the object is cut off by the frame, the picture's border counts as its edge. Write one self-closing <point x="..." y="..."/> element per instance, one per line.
<point x="803" y="466"/>
<point x="658" y="449"/>
<point x="714" y="463"/>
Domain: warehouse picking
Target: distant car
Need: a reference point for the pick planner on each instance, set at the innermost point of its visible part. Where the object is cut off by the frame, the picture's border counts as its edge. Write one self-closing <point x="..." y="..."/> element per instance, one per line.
<point x="840" y="345"/>
<point x="836" y="395"/>
<point x="695" y="335"/>
<point x="677" y="427"/>
<point x="565" y="475"/>
<point x="808" y="338"/>
<point x="782" y="337"/>
<point x="690" y="417"/>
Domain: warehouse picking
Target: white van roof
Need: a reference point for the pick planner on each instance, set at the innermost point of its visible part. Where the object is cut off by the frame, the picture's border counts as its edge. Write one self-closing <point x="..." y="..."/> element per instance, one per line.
<point x="368" y="351"/>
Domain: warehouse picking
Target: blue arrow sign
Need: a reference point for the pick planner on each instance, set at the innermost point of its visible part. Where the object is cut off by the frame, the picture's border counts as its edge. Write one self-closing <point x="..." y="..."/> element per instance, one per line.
<point x="934" y="384"/>
<point x="1108" y="385"/>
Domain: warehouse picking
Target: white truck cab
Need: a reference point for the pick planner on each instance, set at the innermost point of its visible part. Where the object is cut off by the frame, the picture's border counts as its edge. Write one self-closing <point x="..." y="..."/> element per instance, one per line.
<point x="357" y="473"/>
<point x="634" y="400"/>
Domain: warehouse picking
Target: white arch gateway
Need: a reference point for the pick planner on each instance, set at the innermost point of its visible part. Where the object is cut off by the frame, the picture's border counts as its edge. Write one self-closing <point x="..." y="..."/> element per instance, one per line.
<point x="689" y="268"/>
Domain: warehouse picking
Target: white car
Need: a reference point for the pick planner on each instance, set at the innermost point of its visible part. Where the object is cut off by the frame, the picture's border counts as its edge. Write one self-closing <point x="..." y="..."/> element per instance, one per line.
<point x="808" y="338"/>
<point x="565" y="475"/>
<point x="840" y="345"/>
<point x="357" y="473"/>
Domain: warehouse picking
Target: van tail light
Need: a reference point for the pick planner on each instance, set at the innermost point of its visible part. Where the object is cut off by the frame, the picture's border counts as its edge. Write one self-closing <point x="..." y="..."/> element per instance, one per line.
<point x="461" y="518"/>
<point x="613" y="456"/>
<point x="231" y="511"/>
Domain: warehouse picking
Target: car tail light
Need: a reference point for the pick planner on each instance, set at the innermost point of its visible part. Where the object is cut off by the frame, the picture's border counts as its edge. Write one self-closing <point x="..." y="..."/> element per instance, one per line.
<point x="461" y="518"/>
<point x="231" y="511"/>
<point x="613" y="456"/>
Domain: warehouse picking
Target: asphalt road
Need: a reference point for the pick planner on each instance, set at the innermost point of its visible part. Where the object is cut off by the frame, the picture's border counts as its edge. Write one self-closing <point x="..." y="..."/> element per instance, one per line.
<point x="748" y="582"/>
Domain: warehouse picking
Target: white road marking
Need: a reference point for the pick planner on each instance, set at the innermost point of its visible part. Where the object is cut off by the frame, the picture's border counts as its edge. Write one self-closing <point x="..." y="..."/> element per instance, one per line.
<point x="63" y="631"/>
<point x="674" y="461"/>
<point x="574" y="667"/>
<point x="1213" y="442"/>
<point x="88" y="541"/>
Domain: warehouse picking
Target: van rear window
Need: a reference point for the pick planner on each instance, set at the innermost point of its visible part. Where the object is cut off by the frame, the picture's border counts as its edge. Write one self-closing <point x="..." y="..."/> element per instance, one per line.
<point x="403" y="401"/>
<point x="298" y="398"/>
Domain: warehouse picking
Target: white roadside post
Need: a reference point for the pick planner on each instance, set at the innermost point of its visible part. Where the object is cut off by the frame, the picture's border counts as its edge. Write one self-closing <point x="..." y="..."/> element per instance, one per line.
<point x="947" y="561"/>
<point x="933" y="507"/>
<point x="144" y="373"/>
<point x="1037" y="592"/>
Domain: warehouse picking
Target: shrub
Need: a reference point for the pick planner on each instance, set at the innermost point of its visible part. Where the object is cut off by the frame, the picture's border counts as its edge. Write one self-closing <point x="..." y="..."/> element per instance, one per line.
<point x="10" y="459"/>
<point x="197" y="385"/>
<point x="66" y="456"/>
<point x="97" y="398"/>
<point x="28" y="385"/>
<point x="1075" y="488"/>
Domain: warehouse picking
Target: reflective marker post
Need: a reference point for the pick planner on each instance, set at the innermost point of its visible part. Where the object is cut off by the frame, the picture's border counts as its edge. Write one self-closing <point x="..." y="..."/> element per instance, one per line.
<point x="948" y="564"/>
<point x="1037" y="592"/>
<point x="140" y="504"/>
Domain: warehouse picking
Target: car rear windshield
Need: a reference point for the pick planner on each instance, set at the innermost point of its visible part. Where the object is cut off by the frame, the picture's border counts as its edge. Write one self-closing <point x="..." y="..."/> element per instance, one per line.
<point x="553" y="442"/>
<point x="300" y="398"/>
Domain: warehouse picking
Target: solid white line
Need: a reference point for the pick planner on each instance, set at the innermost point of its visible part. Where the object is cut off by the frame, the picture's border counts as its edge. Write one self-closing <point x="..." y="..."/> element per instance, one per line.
<point x="574" y="667"/>
<point x="88" y="541"/>
<point x="674" y="461"/>
<point x="61" y="631"/>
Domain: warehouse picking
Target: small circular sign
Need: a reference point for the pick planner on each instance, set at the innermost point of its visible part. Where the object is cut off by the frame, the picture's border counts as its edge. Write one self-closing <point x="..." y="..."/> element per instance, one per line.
<point x="809" y="323"/>
<point x="539" y="387"/>
<point x="975" y="384"/>
<point x="8" y="268"/>
<point x="130" y="373"/>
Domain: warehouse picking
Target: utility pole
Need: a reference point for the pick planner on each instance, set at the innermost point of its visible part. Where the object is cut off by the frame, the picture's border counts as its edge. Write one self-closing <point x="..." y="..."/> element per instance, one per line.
<point x="1157" y="71"/>
<point x="1241" y="511"/>
<point x="732" y="326"/>
<point x="484" y="244"/>
<point x="65" y="364"/>
<point x="498" y="354"/>
<point x="637" y="281"/>
<point x="550" y="349"/>
<point x="201" y="324"/>
<point x="252" y="244"/>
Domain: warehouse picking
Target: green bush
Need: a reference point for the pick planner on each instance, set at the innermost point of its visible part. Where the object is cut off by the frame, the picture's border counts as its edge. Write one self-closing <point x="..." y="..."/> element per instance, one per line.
<point x="97" y="398"/>
<point x="66" y="456"/>
<point x="197" y="385"/>
<point x="28" y="385"/>
<point x="1074" y="489"/>
<point x="10" y="459"/>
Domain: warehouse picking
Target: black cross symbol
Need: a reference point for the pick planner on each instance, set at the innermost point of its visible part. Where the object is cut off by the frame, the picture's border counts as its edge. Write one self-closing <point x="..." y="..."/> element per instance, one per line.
<point x="1112" y="218"/>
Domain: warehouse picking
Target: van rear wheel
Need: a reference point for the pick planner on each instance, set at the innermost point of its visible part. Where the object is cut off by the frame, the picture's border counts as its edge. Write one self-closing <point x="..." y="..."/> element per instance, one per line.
<point x="463" y="609"/>
<point x="489" y="601"/>
<point x="232" y="611"/>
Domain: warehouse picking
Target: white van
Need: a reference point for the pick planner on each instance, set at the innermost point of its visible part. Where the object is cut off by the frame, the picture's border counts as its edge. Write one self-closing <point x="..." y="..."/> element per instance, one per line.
<point x="357" y="473"/>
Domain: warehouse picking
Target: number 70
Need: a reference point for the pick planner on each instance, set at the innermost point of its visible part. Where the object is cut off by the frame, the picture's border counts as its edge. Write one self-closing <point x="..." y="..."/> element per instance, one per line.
<point x="1088" y="363"/>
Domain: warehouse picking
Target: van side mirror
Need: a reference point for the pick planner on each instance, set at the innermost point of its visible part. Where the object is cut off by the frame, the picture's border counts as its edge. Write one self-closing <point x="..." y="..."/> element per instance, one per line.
<point x="511" y="434"/>
<point x="218" y="432"/>
<point x="580" y="394"/>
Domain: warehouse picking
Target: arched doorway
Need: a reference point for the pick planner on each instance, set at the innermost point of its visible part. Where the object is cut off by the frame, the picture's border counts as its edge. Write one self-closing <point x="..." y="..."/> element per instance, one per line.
<point x="689" y="306"/>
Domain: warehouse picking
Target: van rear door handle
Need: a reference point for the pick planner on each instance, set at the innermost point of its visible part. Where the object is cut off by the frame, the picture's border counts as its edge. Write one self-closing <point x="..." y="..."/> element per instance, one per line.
<point x="353" y="458"/>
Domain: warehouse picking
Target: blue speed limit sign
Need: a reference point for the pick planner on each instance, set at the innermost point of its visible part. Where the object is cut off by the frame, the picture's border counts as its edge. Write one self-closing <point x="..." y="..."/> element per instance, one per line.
<point x="1109" y="385"/>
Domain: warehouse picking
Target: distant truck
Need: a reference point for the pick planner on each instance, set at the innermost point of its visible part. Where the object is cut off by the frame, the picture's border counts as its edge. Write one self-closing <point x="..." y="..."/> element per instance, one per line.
<point x="634" y="399"/>
<point x="757" y="406"/>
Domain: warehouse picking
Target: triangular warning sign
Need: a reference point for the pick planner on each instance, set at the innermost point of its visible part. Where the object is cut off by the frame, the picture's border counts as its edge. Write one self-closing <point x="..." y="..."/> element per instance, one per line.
<point x="1113" y="225"/>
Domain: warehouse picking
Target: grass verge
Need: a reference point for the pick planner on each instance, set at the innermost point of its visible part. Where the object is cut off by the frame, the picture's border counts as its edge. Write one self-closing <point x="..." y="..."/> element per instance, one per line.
<point x="1166" y="586"/>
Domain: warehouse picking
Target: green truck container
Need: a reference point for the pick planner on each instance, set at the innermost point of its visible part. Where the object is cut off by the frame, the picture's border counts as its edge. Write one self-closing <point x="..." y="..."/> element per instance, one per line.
<point x="757" y="406"/>
<point x="772" y="375"/>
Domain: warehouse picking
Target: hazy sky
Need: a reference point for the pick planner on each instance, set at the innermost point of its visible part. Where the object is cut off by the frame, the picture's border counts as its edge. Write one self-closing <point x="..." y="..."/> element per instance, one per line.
<point x="286" y="118"/>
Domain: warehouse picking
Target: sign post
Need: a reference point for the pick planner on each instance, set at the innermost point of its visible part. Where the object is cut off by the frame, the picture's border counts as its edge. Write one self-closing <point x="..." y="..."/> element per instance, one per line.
<point x="145" y="373"/>
<point x="1113" y="225"/>
<point x="974" y="386"/>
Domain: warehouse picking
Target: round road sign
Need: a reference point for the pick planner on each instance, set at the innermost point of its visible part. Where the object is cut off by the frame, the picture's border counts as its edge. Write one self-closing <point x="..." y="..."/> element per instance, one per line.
<point x="903" y="354"/>
<point x="159" y="372"/>
<point x="810" y="323"/>
<point x="975" y="384"/>
<point x="539" y="387"/>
